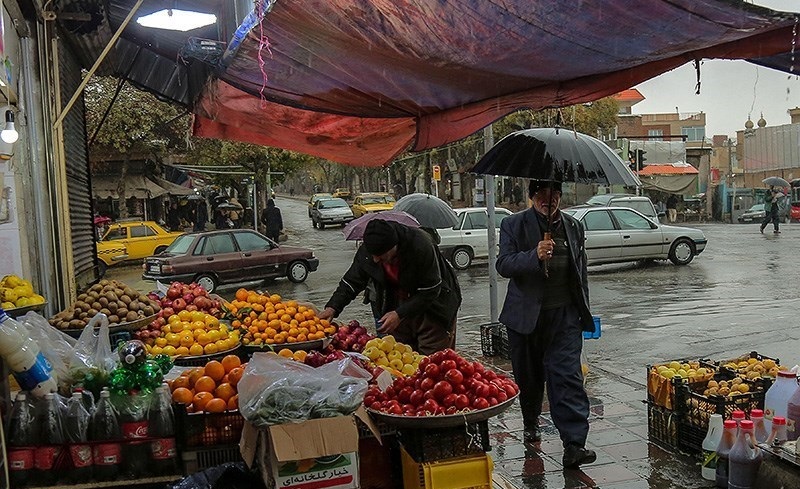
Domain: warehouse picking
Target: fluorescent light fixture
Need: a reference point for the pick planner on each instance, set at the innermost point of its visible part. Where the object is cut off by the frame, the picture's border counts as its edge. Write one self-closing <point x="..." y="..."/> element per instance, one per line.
<point x="177" y="20"/>
<point x="9" y="134"/>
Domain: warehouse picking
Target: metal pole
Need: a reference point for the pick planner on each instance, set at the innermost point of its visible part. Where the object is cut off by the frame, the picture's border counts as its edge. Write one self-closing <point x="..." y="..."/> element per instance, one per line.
<point x="488" y="142"/>
<point x="255" y="205"/>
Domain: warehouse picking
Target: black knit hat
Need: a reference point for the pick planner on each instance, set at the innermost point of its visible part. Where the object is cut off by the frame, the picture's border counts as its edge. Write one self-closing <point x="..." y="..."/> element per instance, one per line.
<point x="379" y="237"/>
<point x="537" y="185"/>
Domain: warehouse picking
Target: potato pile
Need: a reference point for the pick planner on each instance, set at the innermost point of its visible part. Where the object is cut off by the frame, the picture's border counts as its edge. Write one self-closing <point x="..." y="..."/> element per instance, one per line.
<point x="118" y="301"/>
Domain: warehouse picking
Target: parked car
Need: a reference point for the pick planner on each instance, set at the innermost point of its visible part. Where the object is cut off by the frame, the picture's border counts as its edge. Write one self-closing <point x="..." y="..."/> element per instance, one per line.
<point x="110" y="253"/>
<point x="342" y="193"/>
<point x="316" y="197"/>
<point x="372" y="202"/>
<point x="330" y="211"/>
<point x="640" y="203"/>
<point x="620" y="234"/>
<point x="234" y="256"/>
<point x="469" y="239"/>
<point x="755" y="213"/>
<point x="140" y="238"/>
<point x="794" y="213"/>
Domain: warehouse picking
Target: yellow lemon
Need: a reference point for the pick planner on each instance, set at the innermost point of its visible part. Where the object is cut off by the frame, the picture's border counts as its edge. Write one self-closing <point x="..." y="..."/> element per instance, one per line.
<point x="10" y="295"/>
<point x="156" y="350"/>
<point x="204" y="339"/>
<point x="169" y="350"/>
<point x="7" y="305"/>
<point x="22" y="302"/>
<point x="196" y="350"/>
<point x="182" y="351"/>
<point x="214" y="335"/>
<point x="210" y="348"/>
<point x="38" y="299"/>
<point x="222" y="345"/>
<point x="198" y="316"/>
<point x="162" y="342"/>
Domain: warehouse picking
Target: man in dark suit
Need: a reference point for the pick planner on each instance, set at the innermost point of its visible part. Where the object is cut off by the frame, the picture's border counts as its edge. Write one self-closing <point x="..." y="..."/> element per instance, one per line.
<point x="545" y="311"/>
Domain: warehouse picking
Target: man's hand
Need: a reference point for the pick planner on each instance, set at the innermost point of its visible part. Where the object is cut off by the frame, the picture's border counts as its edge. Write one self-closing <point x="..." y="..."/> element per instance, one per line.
<point x="545" y="249"/>
<point x="328" y="313"/>
<point x="389" y="322"/>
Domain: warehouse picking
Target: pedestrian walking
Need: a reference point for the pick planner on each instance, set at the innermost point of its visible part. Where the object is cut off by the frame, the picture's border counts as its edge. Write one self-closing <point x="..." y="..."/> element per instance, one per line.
<point x="672" y="208"/>
<point x="545" y="311"/>
<point x="772" y="208"/>
<point x="413" y="290"/>
<point x="200" y="216"/>
<point x="272" y="221"/>
<point x="173" y="217"/>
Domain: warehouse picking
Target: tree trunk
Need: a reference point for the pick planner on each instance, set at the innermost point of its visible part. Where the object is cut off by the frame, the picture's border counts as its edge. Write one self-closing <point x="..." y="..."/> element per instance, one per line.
<point x="121" y="190"/>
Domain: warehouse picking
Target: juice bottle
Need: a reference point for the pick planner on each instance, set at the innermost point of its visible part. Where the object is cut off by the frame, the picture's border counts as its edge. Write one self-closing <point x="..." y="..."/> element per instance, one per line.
<point x="710" y="444"/>
<point x="793" y="416"/>
<point x="744" y="459"/>
<point x="723" y="450"/>
<point x="776" y="401"/>
<point x="757" y="417"/>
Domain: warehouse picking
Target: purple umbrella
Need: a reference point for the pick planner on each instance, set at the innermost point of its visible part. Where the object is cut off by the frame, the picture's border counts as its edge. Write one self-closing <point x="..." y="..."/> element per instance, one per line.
<point x="355" y="228"/>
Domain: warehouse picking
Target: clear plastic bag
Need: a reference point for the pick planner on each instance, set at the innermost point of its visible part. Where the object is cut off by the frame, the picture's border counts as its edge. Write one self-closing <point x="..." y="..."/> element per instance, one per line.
<point x="276" y="390"/>
<point x="94" y="347"/>
<point x="56" y="346"/>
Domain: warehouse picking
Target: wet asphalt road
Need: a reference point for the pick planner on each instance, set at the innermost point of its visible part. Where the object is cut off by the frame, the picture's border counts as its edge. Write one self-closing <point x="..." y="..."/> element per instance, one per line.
<point x="739" y="295"/>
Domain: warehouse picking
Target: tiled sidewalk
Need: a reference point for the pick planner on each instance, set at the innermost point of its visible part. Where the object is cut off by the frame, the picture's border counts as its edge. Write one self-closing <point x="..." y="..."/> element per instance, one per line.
<point x="618" y="433"/>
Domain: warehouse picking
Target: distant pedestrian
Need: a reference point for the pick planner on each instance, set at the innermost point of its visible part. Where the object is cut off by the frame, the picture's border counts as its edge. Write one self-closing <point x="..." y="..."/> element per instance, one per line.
<point x="291" y="191"/>
<point x="173" y="218"/>
<point x="272" y="220"/>
<point x="200" y="217"/>
<point x="772" y="207"/>
<point x="672" y="208"/>
<point x="517" y="194"/>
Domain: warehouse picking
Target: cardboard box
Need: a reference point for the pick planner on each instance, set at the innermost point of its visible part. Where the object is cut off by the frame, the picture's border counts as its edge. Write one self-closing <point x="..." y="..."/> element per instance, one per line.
<point x="315" y="454"/>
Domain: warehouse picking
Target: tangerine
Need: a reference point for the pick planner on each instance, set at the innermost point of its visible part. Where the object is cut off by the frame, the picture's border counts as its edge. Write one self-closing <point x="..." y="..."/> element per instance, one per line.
<point x="182" y="395"/>
<point x="201" y="399"/>
<point x="225" y="392"/>
<point x="215" y="370"/>
<point x="286" y="353"/>
<point x="235" y="375"/>
<point x="216" y="405"/>
<point x="230" y="362"/>
<point x="233" y="403"/>
<point x="181" y="381"/>
<point x="205" y="384"/>
<point x="241" y="294"/>
<point x="195" y="374"/>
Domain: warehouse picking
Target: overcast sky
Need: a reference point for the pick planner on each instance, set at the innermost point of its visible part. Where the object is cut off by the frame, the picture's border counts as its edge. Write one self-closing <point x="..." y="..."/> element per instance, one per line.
<point x="729" y="90"/>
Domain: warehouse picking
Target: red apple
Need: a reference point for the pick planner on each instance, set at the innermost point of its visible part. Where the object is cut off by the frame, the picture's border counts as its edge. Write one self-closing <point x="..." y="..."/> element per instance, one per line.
<point x="168" y="311"/>
<point x="179" y="304"/>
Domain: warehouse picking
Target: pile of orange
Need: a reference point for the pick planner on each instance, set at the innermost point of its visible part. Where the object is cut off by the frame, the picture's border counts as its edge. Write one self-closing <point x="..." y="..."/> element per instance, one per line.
<point x="210" y="389"/>
<point x="268" y="320"/>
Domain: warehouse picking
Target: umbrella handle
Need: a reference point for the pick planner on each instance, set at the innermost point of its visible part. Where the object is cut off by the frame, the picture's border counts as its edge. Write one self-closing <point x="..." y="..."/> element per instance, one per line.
<point x="547" y="236"/>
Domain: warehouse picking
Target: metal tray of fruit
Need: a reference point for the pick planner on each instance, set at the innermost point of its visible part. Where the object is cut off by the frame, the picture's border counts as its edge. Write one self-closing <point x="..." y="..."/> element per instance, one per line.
<point x="19" y="311"/>
<point x="442" y="421"/>
<point x="189" y="361"/>
<point x="300" y="345"/>
<point x="115" y="328"/>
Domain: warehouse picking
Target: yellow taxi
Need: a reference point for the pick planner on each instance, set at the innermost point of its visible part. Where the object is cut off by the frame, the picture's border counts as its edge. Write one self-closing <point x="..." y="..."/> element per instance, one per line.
<point x="368" y="203"/>
<point x="139" y="239"/>
<point x="341" y="193"/>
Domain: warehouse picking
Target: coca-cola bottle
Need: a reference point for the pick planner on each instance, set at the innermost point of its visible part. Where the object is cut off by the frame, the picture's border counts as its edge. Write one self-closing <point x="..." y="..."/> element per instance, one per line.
<point x="133" y="421"/>
<point x="21" y="442"/>
<point x="104" y="427"/>
<point x="76" y="428"/>
<point x="50" y="441"/>
<point x="161" y="427"/>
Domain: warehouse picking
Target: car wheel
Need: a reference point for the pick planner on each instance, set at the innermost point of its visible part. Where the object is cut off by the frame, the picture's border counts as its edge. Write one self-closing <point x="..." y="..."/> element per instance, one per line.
<point x="208" y="282"/>
<point x="101" y="269"/>
<point x="321" y="225"/>
<point x="682" y="252"/>
<point x="461" y="258"/>
<point x="297" y="272"/>
<point x="159" y="250"/>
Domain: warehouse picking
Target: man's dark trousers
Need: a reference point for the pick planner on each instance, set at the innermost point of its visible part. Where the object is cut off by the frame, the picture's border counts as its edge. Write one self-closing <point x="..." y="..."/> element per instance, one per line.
<point x="551" y="356"/>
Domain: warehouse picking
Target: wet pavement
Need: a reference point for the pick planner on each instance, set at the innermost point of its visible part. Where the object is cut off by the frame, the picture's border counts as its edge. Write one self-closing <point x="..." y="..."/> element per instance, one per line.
<point x="739" y="295"/>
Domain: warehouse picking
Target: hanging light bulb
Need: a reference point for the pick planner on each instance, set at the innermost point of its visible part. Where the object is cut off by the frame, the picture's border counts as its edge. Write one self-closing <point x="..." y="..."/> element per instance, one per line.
<point x="9" y="134"/>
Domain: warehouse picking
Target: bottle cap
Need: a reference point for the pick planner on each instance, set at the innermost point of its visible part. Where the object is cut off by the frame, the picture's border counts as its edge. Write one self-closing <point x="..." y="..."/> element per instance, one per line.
<point x="787" y="374"/>
<point x="756" y="413"/>
<point x="738" y="414"/>
<point x="746" y="424"/>
<point x="729" y="424"/>
<point x="779" y="420"/>
<point x="21" y="396"/>
<point x="105" y="393"/>
<point x="77" y="395"/>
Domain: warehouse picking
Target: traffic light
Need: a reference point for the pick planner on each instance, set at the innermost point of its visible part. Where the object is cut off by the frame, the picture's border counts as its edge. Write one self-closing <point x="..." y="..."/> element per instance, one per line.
<point x="640" y="157"/>
<point x="632" y="160"/>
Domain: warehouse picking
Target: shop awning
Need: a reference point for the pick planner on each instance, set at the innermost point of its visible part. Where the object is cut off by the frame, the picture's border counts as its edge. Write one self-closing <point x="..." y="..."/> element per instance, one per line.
<point x="136" y="186"/>
<point x="361" y="81"/>
<point x="173" y="188"/>
<point x="675" y="178"/>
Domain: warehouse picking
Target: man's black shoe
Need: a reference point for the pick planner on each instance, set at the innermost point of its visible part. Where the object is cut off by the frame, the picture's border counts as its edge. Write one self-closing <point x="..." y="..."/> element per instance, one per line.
<point x="532" y="435"/>
<point x="575" y="456"/>
<point x="761" y="230"/>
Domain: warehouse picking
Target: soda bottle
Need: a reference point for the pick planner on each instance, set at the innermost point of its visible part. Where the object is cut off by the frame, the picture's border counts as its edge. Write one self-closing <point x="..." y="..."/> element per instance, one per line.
<point x="76" y="430"/>
<point x="133" y="423"/>
<point x="22" y="355"/>
<point x="759" y="430"/>
<point x="50" y="441"/>
<point x="104" y="427"/>
<point x="161" y="426"/>
<point x="21" y="442"/>
<point x="744" y="459"/>
<point x="723" y="450"/>
<point x="710" y="444"/>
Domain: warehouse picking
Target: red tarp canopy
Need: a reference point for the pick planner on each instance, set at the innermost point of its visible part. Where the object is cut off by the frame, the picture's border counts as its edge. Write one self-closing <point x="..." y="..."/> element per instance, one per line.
<point x="360" y="81"/>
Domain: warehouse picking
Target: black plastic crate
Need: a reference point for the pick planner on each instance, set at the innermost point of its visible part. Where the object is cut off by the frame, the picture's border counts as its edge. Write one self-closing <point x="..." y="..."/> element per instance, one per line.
<point x="207" y="429"/>
<point x="383" y="429"/>
<point x="431" y="445"/>
<point x="662" y="425"/>
<point x="197" y="460"/>
<point x="494" y="341"/>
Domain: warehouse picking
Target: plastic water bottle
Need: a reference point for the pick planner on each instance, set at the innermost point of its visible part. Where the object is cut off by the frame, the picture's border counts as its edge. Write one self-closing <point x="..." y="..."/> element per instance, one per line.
<point x="22" y="355"/>
<point x="710" y="444"/>
<point x="776" y="401"/>
<point x="793" y="416"/>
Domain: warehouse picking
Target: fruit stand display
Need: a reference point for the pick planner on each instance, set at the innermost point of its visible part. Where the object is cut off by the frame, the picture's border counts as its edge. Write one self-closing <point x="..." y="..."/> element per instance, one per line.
<point x="18" y="297"/>
<point x="126" y="308"/>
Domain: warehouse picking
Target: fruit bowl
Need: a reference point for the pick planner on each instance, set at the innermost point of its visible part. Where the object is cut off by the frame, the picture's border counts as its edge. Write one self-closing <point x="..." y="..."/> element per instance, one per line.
<point x="200" y="360"/>
<point x="19" y="311"/>
<point x="301" y="345"/>
<point x="442" y="421"/>
<point x="116" y="328"/>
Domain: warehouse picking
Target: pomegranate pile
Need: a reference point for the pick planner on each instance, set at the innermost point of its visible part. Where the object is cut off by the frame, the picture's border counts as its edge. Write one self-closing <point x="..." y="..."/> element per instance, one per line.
<point x="445" y="384"/>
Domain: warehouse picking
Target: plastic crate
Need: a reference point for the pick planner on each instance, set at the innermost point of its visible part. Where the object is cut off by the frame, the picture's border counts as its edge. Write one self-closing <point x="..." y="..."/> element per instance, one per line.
<point x="207" y="429"/>
<point x="383" y="429"/>
<point x="593" y="335"/>
<point x="458" y="473"/>
<point x="197" y="460"/>
<point x="662" y="425"/>
<point x="661" y="390"/>
<point x="699" y="408"/>
<point x="494" y="341"/>
<point x="430" y="445"/>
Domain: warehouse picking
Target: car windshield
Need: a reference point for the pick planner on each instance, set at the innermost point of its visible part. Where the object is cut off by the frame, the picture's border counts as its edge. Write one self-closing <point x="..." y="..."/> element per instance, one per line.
<point x="181" y="245"/>
<point x="756" y="208"/>
<point x="332" y="203"/>
<point x="377" y="200"/>
<point x="600" y="199"/>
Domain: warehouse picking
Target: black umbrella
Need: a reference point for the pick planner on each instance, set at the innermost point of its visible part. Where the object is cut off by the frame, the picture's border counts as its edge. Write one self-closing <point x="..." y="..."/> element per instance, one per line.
<point x="776" y="182"/>
<point x="431" y="211"/>
<point x="555" y="154"/>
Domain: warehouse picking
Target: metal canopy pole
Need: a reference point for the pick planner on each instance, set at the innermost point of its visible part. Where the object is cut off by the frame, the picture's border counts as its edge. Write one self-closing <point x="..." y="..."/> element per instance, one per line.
<point x="488" y="142"/>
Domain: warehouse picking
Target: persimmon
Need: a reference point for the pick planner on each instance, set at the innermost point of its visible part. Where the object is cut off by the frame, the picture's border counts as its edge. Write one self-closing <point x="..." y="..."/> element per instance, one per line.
<point x="230" y="362"/>
<point x="216" y="405"/>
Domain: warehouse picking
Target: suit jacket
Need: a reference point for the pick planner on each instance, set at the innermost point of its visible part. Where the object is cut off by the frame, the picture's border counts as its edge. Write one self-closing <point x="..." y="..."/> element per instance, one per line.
<point x="519" y="236"/>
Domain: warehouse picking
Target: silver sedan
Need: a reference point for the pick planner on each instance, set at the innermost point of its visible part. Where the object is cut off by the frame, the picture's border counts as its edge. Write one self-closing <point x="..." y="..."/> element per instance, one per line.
<point x="619" y="234"/>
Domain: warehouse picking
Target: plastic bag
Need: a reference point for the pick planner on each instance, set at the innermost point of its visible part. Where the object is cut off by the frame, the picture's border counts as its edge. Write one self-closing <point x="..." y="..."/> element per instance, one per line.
<point x="276" y="390"/>
<point x="584" y="363"/>
<point x="226" y="476"/>
<point x="56" y="346"/>
<point x="94" y="347"/>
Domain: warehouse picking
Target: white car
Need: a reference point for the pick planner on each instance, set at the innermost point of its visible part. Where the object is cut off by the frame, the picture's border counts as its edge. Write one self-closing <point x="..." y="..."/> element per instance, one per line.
<point x="468" y="239"/>
<point x="619" y="234"/>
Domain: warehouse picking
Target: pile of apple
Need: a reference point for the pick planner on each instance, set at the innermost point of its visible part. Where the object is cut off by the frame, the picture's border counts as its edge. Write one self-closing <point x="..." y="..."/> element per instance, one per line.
<point x="179" y="297"/>
<point x="351" y="337"/>
<point x="446" y="383"/>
